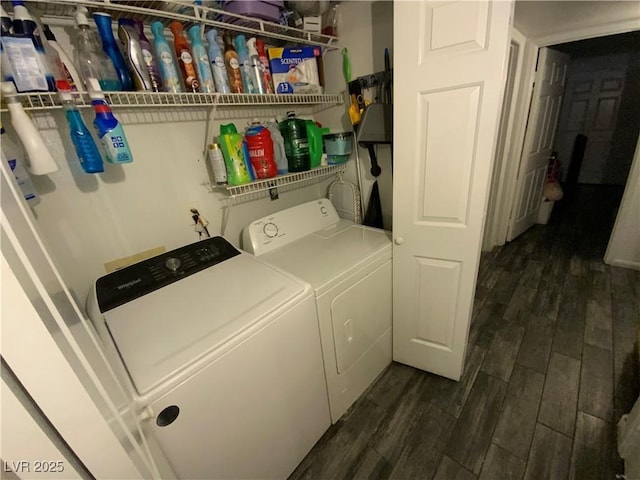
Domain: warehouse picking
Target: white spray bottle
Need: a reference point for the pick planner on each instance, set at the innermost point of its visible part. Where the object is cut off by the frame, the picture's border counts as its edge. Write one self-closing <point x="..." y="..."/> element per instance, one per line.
<point x="11" y="153"/>
<point x="40" y="160"/>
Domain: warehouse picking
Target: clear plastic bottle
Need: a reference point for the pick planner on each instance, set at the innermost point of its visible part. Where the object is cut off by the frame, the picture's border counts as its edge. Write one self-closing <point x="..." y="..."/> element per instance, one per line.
<point x="110" y="47"/>
<point x="90" y="59"/>
<point x="68" y="68"/>
<point x="86" y="148"/>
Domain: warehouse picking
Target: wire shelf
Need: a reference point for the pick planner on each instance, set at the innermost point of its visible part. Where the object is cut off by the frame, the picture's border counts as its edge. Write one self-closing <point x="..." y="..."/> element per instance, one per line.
<point x="259" y="188"/>
<point x="167" y="11"/>
<point x="50" y="100"/>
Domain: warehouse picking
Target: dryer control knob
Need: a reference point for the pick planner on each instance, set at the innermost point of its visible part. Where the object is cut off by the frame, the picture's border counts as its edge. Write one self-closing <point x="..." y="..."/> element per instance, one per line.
<point x="172" y="264"/>
<point x="270" y="230"/>
<point x="399" y="240"/>
<point x="323" y="210"/>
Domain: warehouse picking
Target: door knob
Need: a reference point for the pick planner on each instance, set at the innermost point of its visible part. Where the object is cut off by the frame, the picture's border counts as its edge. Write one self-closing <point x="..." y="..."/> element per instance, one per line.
<point x="399" y="240"/>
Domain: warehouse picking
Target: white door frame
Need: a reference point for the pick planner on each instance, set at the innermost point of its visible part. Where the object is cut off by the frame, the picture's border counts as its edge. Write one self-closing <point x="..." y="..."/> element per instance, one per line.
<point x="506" y="167"/>
<point x="509" y="181"/>
<point x="105" y="446"/>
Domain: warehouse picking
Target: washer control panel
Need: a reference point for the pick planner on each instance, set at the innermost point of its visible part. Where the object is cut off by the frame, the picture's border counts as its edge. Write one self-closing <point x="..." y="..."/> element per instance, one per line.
<point x="144" y="277"/>
<point x="286" y="226"/>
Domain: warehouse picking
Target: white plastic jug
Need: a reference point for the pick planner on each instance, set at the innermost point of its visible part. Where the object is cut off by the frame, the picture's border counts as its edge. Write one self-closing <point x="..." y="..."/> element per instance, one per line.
<point x="278" y="146"/>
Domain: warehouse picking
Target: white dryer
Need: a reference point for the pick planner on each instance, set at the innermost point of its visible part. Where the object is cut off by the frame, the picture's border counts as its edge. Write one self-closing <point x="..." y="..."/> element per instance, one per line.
<point x="349" y="268"/>
<point x="221" y="352"/>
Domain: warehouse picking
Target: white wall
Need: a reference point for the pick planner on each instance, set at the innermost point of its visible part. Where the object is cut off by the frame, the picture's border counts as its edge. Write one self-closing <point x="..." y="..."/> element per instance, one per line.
<point x="88" y="220"/>
<point x="365" y="29"/>
<point x="624" y="245"/>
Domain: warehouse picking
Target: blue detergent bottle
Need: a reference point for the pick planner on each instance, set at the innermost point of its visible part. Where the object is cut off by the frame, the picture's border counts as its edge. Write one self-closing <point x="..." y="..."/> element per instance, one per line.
<point x="217" y="63"/>
<point x="110" y="47"/>
<point x="86" y="148"/>
<point x="108" y="128"/>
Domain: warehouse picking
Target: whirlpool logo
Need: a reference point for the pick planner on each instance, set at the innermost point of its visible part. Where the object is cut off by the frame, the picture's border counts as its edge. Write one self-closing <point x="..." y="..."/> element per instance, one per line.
<point x="122" y="286"/>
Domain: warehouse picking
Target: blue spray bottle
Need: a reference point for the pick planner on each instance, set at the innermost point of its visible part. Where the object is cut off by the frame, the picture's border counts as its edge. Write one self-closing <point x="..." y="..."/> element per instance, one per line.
<point x="245" y="65"/>
<point x="168" y="67"/>
<point x="86" y="148"/>
<point x="24" y="25"/>
<point x="110" y="47"/>
<point x="201" y="60"/>
<point x="217" y="63"/>
<point x="109" y="129"/>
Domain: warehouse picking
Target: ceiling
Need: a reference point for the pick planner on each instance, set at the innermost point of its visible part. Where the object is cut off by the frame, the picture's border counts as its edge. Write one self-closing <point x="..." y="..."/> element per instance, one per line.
<point x="537" y="20"/>
<point x="592" y="47"/>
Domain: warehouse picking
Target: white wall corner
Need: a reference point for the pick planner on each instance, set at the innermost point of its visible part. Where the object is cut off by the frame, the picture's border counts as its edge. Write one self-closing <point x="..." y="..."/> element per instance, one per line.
<point x="624" y="245"/>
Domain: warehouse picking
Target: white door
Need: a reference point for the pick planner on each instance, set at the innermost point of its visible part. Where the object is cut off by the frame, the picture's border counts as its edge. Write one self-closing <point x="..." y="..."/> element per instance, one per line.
<point x="449" y="83"/>
<point x="548" y="90"/>
<point x="590" y="107"/>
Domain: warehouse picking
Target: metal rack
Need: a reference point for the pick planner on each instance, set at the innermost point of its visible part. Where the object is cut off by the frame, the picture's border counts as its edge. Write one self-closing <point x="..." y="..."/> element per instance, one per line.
<point x="167" y="11"/>
<point x="222" y="106"/>
<point x="50" y="101"/>
<point x="276" y="185"/>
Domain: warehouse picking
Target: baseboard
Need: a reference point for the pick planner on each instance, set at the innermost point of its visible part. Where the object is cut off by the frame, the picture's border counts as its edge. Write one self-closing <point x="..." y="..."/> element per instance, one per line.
<point x="625" y="264"/>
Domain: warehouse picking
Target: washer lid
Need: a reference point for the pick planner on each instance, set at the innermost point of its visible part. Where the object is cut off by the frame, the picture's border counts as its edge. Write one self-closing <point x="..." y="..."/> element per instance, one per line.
<point x="159" y="334"/>
<point x="331" y="254"/>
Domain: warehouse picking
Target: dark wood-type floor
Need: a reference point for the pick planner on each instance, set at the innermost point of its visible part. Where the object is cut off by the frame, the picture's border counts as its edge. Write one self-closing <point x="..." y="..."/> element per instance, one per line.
<point x="549" y="371"/>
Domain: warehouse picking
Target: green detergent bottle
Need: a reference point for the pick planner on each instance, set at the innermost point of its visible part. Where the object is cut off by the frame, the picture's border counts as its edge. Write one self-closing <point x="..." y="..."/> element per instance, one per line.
<point x="296" y="143"/>
<point x="235" y="154"/>
<point x="314" y="135"/>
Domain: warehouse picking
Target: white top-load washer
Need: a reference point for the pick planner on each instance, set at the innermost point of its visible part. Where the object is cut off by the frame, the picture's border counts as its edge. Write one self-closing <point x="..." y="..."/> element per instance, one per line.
<point x="221" y="352"/>
<point x="349" y="268"/>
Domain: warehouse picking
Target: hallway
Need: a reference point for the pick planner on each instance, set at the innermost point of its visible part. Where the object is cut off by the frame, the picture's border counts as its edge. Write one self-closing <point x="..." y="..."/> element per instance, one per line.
<point x="549" y="370"/>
